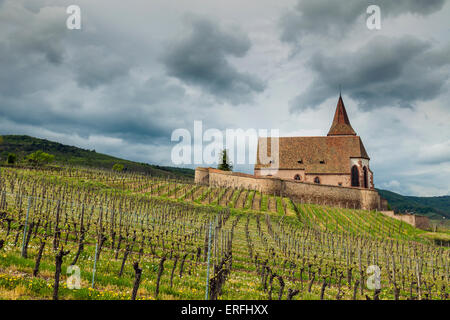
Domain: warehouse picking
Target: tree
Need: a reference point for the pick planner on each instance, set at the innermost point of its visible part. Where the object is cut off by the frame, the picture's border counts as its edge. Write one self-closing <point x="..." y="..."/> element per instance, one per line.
<point x="118" y="167"/>
<point x="224" y="162"/>
<point x="12" y="158"/>
<point x="40" y="158"/>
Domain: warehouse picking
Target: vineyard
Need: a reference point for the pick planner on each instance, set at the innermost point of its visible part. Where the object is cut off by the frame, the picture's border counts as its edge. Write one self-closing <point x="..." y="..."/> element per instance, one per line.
<point x="133" y="236"/>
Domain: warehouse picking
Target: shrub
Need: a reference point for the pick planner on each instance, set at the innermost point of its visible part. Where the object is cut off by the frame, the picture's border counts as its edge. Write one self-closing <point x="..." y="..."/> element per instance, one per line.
<point x="118" y="167"/>
<point x="40" y="158"/>
<point x="12" y="158"/>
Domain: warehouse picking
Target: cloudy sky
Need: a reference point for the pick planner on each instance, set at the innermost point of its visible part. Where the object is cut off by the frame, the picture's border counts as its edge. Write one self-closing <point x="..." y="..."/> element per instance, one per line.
<point x="139" y="69"/>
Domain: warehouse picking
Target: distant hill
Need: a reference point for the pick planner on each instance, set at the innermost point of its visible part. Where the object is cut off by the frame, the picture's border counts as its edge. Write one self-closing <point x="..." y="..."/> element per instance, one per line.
<point x="432" y="207"/>
<point x="69" y="155"/>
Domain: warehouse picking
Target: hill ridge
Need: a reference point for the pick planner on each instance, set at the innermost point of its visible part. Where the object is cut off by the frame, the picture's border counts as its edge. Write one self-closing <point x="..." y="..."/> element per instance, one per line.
<point x="22" y="145"/>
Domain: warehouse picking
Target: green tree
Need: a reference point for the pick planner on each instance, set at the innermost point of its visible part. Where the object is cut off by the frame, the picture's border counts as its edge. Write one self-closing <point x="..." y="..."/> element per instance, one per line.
<point x="12" y="158"/>
<point x="118" y="167"/>
<point x="40" y="158"/>
<point x="224" y="162"/>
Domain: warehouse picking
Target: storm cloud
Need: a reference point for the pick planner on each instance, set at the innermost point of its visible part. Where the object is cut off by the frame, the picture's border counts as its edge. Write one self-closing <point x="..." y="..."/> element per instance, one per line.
<point x="383" y="72"/>
<point x="200" y="58"/>
<point x="51" y="79"/>
<point x="312" y="18"/>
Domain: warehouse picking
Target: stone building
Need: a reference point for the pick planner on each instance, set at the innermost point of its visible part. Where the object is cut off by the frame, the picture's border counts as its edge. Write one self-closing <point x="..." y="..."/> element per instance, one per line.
<point x="332" y="170"/>
<point x="338" y="159"/>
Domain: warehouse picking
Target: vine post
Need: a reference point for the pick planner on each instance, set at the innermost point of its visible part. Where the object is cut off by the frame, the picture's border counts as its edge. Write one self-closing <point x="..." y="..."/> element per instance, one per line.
<point x="25" y="227"/>
<point x="95" y="265"/>
<point x="209" y="258"/>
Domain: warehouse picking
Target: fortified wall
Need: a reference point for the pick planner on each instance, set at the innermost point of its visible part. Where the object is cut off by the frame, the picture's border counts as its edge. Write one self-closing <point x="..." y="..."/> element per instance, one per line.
<point x="349" y="197"/>
<point x="417" y="221"/>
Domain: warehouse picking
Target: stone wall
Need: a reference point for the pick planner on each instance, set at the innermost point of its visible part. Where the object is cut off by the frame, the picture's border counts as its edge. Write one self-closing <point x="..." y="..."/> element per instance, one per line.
<point x="202" y="175"/>
<point x="358" y="198"/>
<point x="331" y="195"/>
<point x="384" y="204"/>
<point x="328" y="179"/>
<point x="417" y="221"/>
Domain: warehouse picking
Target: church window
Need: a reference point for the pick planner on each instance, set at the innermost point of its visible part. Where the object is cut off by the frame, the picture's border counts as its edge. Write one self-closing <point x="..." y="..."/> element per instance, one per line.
<point x="316" y="180"/>
<point x="366" y="177"/>
<point x="297" y="177"/>
<point x="355" y="176"/>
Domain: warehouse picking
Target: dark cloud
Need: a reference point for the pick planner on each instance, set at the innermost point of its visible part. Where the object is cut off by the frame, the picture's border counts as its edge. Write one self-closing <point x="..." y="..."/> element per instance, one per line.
<point x="135" y="111"/>
<point x="56" y="79"/>
<point x="94" y="66"/>
<point x="335" y="18"/>
<point x="201" y="59"/>
<point x="383" y="72"/>
<point x="31" y="45"/>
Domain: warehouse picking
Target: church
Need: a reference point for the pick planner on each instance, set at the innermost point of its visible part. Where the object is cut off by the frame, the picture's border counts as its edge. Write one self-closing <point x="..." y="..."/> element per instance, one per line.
<point x="337" y="159"/>
<point x="333" y="169"/>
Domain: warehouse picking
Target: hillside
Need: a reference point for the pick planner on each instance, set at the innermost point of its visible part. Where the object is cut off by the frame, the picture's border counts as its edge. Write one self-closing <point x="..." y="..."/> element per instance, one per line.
<point x="23" y="145"/>
<point x="432" y="207"/>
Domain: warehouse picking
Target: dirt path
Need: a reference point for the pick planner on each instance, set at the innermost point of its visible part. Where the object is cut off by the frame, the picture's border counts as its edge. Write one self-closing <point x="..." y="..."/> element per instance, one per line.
<point x="289" y="211"/>
<point x="240" y="202"/>
<point x="256" y="200"/>
<point x="271" y="204"/>
<point x="224" y="200"/>
<point x="211" y="196"/>
<point x="198" y="193"/>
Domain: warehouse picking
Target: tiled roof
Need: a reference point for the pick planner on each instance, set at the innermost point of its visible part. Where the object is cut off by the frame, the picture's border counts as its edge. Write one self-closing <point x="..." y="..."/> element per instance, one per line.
<point x="341" y="125"/>
<point x="335" y="151"/>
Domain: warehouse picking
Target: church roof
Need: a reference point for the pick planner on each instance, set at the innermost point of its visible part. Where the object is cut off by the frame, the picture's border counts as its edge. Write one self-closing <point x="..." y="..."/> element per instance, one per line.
<point x="341" y="125"/>
<point x="329" y="154"/>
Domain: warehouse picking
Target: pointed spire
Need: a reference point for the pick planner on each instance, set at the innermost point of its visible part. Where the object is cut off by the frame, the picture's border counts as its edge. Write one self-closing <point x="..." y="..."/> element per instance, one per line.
<point x="341" y="125"/>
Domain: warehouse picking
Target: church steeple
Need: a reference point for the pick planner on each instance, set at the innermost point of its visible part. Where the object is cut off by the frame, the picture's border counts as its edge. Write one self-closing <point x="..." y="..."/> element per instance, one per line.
<point x="341" y="125"/>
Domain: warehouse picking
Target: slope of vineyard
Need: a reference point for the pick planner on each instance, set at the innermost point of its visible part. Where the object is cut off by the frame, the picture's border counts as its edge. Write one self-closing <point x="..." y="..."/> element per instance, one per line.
<point x="22" y="146"/>
<point x="119" y="227"/>
<point x="321" y="217"/>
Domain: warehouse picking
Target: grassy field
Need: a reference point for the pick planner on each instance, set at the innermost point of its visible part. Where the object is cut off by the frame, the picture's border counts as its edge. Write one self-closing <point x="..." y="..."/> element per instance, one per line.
<point x="260" y="246"/>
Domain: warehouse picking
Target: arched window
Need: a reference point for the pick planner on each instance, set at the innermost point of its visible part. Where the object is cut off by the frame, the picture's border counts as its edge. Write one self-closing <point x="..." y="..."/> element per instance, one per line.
<point x="355" y="176"/>
<point x="366" y="178"/>
<point x="316" y="180"/>
<point x="297" y="177"/>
